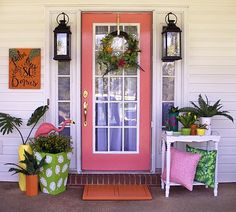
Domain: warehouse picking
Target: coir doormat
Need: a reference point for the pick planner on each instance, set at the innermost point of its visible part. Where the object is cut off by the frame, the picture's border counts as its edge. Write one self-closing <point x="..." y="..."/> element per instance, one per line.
<point x="116" y="192"/>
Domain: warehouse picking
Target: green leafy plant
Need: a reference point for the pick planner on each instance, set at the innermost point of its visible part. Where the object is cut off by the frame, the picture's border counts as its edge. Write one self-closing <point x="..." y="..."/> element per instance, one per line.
<point x="8" y="123"/>
<point x="30" y="161"/>
<point x="53" y="143"/>
<point x="173" y="109"/>
<point x="205" y="109"/>
<point x="167" y="126"/>
<point x="187" y="119"/>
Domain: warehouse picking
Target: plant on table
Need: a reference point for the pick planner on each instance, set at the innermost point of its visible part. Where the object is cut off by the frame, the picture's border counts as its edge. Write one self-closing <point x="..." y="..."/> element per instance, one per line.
<point x="173" y="112"/>
<point x="205" y="111"/>
<point x="186" y="119"/>
<point x="58" y="151"/>
<point x="168" y="128"/>
<point x="201" y="130"/>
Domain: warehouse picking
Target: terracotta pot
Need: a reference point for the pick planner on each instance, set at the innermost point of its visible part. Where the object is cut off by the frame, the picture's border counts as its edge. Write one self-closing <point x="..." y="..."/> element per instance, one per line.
<point x="22" y="180"/>
<point x="31" y="185"/>
<point x="193" y="129"/>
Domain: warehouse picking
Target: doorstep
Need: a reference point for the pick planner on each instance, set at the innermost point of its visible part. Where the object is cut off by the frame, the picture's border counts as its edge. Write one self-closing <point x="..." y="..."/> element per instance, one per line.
<point x="109" y="179"/>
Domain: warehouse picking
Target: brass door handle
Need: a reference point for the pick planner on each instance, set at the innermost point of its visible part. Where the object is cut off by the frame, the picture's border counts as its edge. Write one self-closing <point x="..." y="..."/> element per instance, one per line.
<point x="85" y="113"/>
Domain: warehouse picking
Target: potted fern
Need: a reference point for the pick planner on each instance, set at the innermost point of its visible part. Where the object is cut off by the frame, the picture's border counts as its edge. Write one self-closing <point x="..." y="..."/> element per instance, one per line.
<point x="204" y="110"/>
<point x="10" y="123"/>
<point x="58" y="152"/>
<point x="186" y="119"/>
<point x="31" y="170"/>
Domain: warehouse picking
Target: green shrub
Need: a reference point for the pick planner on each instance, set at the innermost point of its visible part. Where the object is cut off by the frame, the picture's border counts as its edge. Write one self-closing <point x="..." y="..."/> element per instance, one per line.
<point x="53" y="143"/>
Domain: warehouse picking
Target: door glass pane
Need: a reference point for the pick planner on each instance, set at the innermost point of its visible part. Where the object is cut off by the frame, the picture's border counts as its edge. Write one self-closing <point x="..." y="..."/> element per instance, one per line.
<point x="101" y="114"/>
<point x="115" y="139"/>
<point x="101" y="88"/>
<point x="101" y="32"/>
<point x="131" y="30"/>
<point x="130" y="71"/>
<point x="130" y="139"/>
<point x="114" y="28"/>
<point x="130" y="113"/>
<point x="130" y="88"/>
<point x="116" y="114"/>
<point x="116" y="85"/>
<point x="101" y="139"/>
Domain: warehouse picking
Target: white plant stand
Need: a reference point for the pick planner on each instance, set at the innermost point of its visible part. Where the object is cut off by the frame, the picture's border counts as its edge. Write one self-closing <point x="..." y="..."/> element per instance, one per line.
<point x="167" y="140"/>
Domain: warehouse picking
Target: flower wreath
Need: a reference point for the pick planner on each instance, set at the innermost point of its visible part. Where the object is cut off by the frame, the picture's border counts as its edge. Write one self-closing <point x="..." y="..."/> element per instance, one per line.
<point x="115" y="60"/>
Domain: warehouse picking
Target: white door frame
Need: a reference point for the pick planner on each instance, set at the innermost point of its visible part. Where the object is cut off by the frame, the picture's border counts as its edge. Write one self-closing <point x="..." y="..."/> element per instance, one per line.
<point x="156" y="64"/>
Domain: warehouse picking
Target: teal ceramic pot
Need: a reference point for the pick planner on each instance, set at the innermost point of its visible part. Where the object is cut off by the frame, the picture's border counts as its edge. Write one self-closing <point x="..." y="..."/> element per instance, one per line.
<point x="173" y="122"/>
<point x="54" y="174"/>
<point x="185" y="131"/>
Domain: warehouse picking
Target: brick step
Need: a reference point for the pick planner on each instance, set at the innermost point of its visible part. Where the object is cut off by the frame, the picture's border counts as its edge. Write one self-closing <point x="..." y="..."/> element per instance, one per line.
<point x="109" y="179"/>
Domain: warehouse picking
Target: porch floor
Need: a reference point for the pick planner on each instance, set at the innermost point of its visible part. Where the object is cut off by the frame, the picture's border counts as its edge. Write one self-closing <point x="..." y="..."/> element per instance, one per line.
<point x="199" y="200"/>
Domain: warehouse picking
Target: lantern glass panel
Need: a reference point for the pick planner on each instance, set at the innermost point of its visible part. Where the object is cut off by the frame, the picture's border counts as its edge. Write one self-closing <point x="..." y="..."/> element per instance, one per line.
<point x="173" y="44"/>
<point x="62" y="44"/>
<point x="164" y="45"/>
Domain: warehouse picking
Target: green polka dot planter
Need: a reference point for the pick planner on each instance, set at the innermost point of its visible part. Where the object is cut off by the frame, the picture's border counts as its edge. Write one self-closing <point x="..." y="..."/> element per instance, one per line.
<point x="54" y="174"/>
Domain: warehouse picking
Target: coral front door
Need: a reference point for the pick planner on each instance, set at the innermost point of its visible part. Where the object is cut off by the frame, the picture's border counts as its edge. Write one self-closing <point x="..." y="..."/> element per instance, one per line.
<point x="116" y="107"/>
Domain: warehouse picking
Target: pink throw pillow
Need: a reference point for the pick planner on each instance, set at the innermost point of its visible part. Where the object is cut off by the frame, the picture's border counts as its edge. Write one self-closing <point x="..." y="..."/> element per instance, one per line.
<point x="182" y="167"/>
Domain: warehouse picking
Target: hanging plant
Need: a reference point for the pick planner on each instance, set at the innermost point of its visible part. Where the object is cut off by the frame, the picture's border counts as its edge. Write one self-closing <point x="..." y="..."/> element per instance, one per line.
<point x="114" y="60"/>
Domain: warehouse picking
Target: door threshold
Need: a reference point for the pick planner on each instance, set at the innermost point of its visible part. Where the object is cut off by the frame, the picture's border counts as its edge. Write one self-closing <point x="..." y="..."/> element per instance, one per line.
<point x="114" y="178"/>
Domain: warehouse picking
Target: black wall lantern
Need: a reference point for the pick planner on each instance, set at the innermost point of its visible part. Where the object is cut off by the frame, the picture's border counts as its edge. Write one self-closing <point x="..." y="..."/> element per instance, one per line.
<point x="62" y="39"/>
<point x="171" y="40"/>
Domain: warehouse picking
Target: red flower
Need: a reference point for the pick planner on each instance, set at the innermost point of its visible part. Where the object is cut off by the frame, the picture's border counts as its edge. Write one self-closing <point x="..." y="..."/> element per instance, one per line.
<point x="121" y="62"/>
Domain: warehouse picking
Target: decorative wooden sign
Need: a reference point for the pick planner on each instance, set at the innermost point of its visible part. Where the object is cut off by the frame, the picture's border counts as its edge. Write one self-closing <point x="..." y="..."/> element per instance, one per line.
<point x="24" y="68"/>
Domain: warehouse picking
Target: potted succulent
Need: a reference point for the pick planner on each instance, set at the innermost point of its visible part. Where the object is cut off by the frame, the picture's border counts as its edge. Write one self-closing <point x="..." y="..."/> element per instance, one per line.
<point x="186" y="119"/>
<point x="10" y="123"/>
<point x="201" y="129"/>
<point x="168" y="128"/>
<point x="31" y="170"/>
<point x="57" y="149"/>
<point x="173" y="122"/>
<point x="204" y="110"/>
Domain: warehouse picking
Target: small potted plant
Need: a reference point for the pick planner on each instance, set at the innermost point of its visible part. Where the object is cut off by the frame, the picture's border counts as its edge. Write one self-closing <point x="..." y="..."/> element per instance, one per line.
<point x="58" y="151"/>
<point x="168" y="128"/>
<point x="31" y="171"/>
<point x="173" y="122"/>
<point x="204" y="110"/>
<point x="186" y="119"/>
<point x="201" y="129"/>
